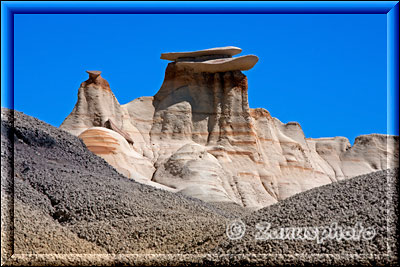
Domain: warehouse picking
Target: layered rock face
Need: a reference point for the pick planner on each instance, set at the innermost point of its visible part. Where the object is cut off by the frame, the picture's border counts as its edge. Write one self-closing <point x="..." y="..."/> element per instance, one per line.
<point x="198" y="136"/>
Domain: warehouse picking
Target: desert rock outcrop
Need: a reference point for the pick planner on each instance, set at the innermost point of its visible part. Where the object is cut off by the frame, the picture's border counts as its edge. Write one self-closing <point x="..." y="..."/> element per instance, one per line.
<point x="62" y="205"/>
<point x="199" y="136"/>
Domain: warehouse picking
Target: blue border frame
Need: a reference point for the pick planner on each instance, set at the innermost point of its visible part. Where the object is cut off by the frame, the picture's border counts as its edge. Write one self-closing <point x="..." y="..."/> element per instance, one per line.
<point x="391" y="8"/>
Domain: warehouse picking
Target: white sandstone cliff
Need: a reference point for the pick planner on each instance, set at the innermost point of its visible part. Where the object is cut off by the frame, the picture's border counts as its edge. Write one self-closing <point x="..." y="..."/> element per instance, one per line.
<point x="198" y="136"/>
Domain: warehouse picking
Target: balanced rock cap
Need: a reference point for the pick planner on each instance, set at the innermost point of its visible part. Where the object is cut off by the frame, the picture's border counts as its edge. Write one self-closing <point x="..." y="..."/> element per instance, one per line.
<point x="222" y="64"/>
<point x="96" y="80"/>
<point x="223" y="51"/>
<point x="93" y="73"/>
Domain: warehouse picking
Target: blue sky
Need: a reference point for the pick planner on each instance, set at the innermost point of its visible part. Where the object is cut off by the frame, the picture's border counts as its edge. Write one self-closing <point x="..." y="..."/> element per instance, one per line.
<point x="327" y="72"/>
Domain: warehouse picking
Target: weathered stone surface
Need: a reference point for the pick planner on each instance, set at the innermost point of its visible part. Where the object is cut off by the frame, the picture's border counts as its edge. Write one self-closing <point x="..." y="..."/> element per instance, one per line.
<point x="220" y="51"/>
<point x="221" y="64"/>
<point x="95" y="105"/>
<point x="96" y="80"/>
<point x="369" y="153"/>
<point x="110" y="125"/>
<point x="202" y="139"/>
<point x="93" y="74"/>
<point x="115" y="149"/>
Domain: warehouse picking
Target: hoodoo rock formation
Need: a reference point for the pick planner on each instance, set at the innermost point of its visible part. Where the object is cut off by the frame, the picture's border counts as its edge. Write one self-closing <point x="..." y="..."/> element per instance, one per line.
<point x="212" y="60"/>
<point x="198" y="136"/>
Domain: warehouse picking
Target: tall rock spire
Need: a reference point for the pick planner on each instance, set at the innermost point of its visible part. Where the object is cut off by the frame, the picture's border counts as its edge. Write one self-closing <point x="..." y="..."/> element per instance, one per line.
<point x="199" y="136"/>
<point x="96" y="104"/>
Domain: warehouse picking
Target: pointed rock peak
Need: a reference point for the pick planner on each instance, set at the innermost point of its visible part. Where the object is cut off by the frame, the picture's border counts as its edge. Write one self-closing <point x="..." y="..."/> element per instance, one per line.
<point x="96" y="80"/>
<point x="212" y="60"/>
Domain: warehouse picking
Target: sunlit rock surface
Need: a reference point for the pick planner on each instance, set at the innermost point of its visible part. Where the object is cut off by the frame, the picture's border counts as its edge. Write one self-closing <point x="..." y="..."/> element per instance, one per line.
<point x="198" y="136"/>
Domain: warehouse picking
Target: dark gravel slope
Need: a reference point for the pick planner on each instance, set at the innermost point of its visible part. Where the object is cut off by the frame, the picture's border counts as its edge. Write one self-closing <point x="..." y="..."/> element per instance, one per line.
<point x="370" y="200"/>
<point x="68" y="200"/>
<point x="79" y="193"/>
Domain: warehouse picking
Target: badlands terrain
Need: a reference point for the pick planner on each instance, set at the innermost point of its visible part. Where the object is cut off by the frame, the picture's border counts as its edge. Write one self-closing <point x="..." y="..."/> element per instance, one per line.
<point x="198" y="136"/>
<point x="157" y="181"/>
<point x="62" y="204"/>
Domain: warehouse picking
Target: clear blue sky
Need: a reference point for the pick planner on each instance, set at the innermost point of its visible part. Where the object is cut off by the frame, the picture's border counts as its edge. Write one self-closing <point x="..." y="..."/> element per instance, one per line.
<point x="327" y="72"/>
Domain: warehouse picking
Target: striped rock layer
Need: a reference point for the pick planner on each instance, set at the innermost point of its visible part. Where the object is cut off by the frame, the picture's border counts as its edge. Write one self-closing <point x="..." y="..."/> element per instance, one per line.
<point x="198" y="136"/>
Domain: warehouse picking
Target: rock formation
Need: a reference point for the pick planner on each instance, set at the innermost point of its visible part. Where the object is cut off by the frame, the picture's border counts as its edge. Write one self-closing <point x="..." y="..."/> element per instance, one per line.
<point x="61" y="205"/>
<point x="219" y="52"/>
<point x="212" y="60"/>
<point x="198" y="136"/>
